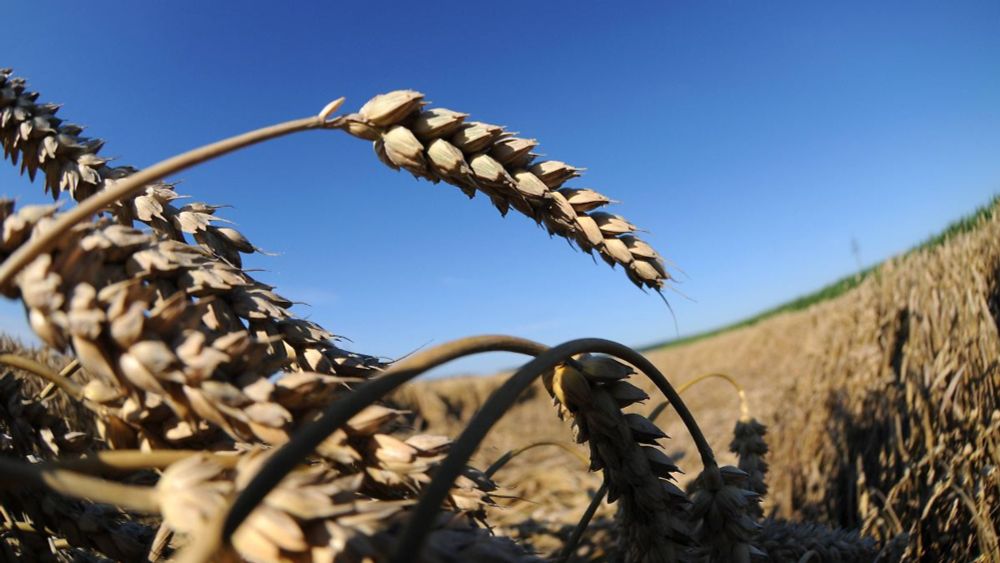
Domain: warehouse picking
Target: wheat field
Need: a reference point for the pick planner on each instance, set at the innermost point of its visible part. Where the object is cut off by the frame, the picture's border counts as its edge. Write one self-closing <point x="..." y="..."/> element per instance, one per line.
<point x="180" y="410"/>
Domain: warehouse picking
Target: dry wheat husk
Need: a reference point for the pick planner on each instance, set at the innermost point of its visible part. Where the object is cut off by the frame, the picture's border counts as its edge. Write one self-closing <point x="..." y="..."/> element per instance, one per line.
<point x="170" y="380"/>
<point x="440" y="145"/>
<point x="32" y="135"/>
<point x="29" y="431"/>
<point x="315" y="514"/>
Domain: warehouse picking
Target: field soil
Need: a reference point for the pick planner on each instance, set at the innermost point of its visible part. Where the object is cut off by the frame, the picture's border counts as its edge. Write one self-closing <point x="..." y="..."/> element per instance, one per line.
<point x="881" y="406"/>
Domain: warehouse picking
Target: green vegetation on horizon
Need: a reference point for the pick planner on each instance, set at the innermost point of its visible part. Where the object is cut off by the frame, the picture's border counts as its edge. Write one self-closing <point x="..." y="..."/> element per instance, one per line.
<point x="844" y="284"/>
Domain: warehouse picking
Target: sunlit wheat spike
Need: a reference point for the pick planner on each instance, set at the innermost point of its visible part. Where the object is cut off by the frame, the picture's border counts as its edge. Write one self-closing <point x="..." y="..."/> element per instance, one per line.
<point x="316" y="513"/>
<point x="473" y="155"/>
<point x="185" y="349"/>
<point x="46" y="431"/>
<point x="32" y="134"/>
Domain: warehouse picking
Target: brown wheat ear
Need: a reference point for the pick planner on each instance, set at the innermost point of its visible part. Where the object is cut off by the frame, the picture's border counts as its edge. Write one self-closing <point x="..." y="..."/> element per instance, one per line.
<point x="652" y="513"/>
<point x="440" y="145"/>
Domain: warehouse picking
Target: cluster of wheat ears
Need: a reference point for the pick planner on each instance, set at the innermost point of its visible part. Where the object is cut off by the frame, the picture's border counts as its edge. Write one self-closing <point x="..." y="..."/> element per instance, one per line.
<point x="187" y="444"/>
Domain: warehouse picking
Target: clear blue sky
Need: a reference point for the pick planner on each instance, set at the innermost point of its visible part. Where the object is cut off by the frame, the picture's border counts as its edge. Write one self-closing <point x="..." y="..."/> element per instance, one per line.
<point x="753" y="140"/>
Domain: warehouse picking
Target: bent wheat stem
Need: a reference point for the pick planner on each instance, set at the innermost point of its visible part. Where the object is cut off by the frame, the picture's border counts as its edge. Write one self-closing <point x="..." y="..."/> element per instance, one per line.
<point x="73" y="484"/>
<point x="46" y="240"/>
<point x="505" y="458"/>
<point x="422" y="518"/>
<point x="581" y="526"/>
<point x="71" y="388"/>
<point x="744" y="405"/>
<point x="134" y="460"/>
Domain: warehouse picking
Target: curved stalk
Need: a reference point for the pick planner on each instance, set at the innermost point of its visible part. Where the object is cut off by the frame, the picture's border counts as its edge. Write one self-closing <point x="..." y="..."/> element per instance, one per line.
<point x="46" y="240"/>
<point x="744" y="405"/>
<point x="581" y="526"/>
<point x="71" y="388"/>
<point x="423" y="516"/>
<point x="505" y="458"/>
<point x="18" y="474"/>
<point x="134" y="460"/>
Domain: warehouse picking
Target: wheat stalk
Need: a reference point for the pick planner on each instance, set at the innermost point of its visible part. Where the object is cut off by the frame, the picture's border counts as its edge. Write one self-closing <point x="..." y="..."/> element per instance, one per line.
<point x="340" y="412"/>
<point x="30" y="132"/>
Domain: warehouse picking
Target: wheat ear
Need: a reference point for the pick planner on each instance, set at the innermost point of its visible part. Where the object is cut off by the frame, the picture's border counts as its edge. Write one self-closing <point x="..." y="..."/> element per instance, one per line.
<point x="441" y="145"/>
<point x="418" y="524"/>
<point x="652" y="416"/>
<point x="32" y="134"/>
<point x="750" y="448"/>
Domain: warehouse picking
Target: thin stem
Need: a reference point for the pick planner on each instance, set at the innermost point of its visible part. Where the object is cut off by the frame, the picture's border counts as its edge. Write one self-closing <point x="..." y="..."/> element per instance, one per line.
<point x="160" y="542"/>
<point x="505" y="458"/>
<point x="66" y="372"/>
<point x="744" y="405"/>
<point x="988" y="543"/>
<point x="46" y="240"/>
<point x="423" y="516"/>
<point x="135" y="460"/>
<point x="71" y="388"/>
<point x="337" y="414"/>
<point x="18" y="474"/>
<point x="581" y="526"/>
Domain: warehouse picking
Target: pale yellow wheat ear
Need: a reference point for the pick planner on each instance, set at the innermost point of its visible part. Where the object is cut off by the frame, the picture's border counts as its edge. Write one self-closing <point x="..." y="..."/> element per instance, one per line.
<point x="439" y="144"/>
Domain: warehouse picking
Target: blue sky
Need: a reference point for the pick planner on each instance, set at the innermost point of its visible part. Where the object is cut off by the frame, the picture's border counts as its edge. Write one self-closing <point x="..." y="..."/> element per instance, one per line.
<point x="753" y="140"/>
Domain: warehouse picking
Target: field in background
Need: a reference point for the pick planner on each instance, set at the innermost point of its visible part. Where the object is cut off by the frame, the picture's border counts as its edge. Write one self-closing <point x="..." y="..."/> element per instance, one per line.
<point x="880" y="392"/>
<point x="841" y="286"/>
